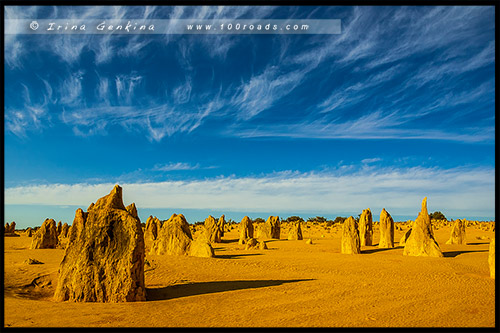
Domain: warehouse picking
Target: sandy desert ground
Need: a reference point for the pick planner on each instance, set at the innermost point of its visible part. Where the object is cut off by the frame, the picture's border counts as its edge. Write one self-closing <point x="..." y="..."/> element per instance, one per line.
<point x="289" y="284"/>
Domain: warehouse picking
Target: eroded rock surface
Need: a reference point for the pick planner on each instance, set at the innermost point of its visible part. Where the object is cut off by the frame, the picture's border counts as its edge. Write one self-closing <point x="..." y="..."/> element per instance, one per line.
<point x="46" y="236"/>
<point x="271" y="228"/>
<point x="366" y="227"/>
<point x="295" y="232"/>
<point x="350" y="242"/>
<point x="246" y="230"/>
<point x="457" y="234"/>
<point x="175" y="238"/>
<point x="213" y="230"/>
<point x="421" y="241"/>
<point x="104" y="259"/>
<point x="386" y="230"/>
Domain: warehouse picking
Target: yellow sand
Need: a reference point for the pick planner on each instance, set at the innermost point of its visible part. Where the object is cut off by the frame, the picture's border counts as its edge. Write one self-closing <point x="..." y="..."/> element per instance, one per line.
<point x="290" y="284"/>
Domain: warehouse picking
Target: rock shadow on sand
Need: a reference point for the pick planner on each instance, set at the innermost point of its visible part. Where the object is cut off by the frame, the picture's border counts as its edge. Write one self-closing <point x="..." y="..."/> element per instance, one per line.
<point x="235" y="256"/>
<point x="453" y="254"/>
<point x="201" y="288"/>
<point x="233" y="240"/>
<point x="380" y="249"/>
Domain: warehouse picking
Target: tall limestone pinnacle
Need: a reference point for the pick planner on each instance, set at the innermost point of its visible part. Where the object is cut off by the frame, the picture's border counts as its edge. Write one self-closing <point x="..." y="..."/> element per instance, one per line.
<point x="104" y="258"/>
<point x="350" y="243"/>
<point x="246" y="230"/>
<point x="366" y="227"/>
<point x="271" y="228"/>
<point x="458" y="233"/>
<point x="386" y="230"/>
<point x="213" y="232"/>
<point x="421" y="241"/>
<point x="46" y="236"/>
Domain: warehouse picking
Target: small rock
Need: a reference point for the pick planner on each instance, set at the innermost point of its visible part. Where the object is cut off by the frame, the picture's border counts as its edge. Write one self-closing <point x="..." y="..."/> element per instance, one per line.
<point x="31" y="261"/>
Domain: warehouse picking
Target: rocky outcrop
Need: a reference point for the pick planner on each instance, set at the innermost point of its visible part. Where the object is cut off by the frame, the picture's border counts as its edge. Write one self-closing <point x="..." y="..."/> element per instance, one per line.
<point x="29" y="232"/>
<point x="491" y="257"/>
<point x="132" y="209"/>
<point x="221" y="224"/>
<point x="104" y="259"/>
<point x="350" y="242"/>
<point x="253" y="243"/>
<point x="59" y="228"/>
<point x="366" y="228"/>
<point x="31" y="261"/>
<point x="62" y="239"/>
<point x="386" y="230"/>
<point x="421" y="241"/>
<point x="153" y="226"/>
<point x="405" y="237"/>
<point x="201" y="248"/>
<point x="213" y="232"/>
<point x="271" y="228"/>
<point x="46" y="236"/>
<point x="246" y="230"/>
<point x="295" y="232"/>
<point x="10" y="228"/>
<point x="457" y="235"/>
<point x="175" y="238"/>
<point x="64" y="230"/>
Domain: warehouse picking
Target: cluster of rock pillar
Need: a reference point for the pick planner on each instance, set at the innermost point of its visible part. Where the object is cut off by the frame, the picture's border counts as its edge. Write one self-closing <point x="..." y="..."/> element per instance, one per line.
<point x="418" y="241"/>
<point x="106" y="246"/>
<point x="10" y="228"/>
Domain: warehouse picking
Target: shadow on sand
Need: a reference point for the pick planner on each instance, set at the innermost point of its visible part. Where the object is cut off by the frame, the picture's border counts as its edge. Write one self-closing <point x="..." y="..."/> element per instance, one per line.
<point x="233" y="240"/>
<point x="379" y="250"/>
<point x="235" y="256"/>
<point x="200" y="288"/>
<point x="453" y="254"/>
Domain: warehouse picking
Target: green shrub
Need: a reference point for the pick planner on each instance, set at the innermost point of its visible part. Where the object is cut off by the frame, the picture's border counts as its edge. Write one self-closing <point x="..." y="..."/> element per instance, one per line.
<point x="438" y="216"/>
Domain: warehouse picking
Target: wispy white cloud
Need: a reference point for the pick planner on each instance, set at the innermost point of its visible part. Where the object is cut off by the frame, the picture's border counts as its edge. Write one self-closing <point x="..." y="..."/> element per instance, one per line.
<point x="175" y="166"/>
<point x="156" y="121"/>
<point x="368" y="49"/>
<point x="371" y="160"/>
<point x="103" y="89"/>
<point x="262" y="91"/>
<point x="70" y="90"/>
<point x="432" y="29"/>
<point x="33" y="116"/>
<point x="182" y="93"/>
<point x="351" y="93"/>
<point x="449" y="68"/>
<point x="454" y="191"/>
<point x="375" y="125"/>
<point x="126" y="85"/>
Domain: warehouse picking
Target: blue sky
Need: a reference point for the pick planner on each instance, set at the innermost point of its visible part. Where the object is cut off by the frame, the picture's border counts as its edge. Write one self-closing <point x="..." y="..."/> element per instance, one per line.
<point x="397" y="107"/>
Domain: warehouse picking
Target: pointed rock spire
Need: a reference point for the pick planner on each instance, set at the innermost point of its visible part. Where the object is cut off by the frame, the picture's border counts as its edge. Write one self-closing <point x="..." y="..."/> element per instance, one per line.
<point x="421" y="240"/>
